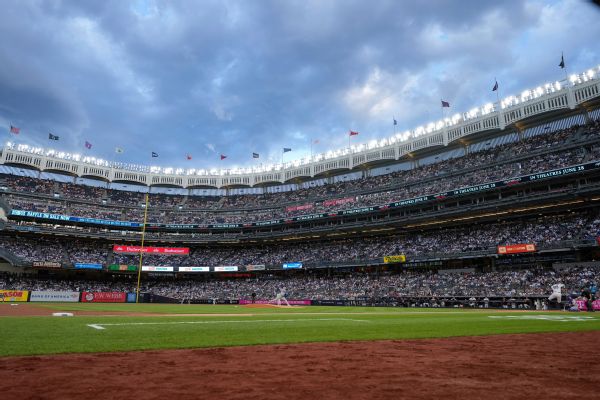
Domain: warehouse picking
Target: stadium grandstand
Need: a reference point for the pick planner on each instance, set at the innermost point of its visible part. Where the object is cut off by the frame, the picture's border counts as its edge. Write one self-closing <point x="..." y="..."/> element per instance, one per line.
<point x="495" y="203"/>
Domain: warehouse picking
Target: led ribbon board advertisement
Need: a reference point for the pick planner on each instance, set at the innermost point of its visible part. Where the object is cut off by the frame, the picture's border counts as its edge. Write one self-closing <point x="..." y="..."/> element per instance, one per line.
<point x="151" y="268"/>
<point x="394" y="259"/>
<point x="292" y="265"/>
<point x="87" y="266"/>
<point x="122" y="267"/>
<point x="226" y="268"/>
<point x="516" y="248"/>
<point x="151" y="250"/>
<point x="193" y="269"/>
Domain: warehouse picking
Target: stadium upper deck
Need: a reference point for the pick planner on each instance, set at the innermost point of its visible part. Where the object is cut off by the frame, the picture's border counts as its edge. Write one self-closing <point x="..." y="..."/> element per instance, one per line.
<point x="580" y="93"/>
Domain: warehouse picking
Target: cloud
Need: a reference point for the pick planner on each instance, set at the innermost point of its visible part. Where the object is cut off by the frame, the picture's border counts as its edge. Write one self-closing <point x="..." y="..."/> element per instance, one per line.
<point x="239" y="76"/>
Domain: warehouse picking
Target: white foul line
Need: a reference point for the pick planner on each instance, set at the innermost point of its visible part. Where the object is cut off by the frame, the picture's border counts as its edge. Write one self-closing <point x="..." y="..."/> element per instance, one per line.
<point x="102" y="326"/>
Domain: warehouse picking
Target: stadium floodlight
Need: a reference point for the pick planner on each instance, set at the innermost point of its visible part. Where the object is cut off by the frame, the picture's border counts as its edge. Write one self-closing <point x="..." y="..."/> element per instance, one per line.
<point x="573" y="78"/>
<point x="591" y="73"/>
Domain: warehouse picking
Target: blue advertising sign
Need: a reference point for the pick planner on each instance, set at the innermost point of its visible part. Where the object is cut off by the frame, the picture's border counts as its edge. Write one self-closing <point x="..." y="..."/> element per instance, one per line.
<point x="292" y="265"/>
<point x="88" y="266"/>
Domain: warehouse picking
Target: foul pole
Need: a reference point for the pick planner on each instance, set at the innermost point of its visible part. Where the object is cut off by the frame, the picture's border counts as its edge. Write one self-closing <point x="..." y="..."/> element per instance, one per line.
<point x="137" y="289"/>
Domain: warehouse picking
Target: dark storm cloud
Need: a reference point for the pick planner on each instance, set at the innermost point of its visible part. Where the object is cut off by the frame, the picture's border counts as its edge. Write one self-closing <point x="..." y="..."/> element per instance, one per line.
<point x="239" y="77"/>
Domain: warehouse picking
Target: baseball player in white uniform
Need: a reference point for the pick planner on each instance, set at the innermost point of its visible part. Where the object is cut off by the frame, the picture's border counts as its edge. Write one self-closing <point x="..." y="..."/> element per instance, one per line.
<point x="556" y="292"/>
<point x="281" y="296"/>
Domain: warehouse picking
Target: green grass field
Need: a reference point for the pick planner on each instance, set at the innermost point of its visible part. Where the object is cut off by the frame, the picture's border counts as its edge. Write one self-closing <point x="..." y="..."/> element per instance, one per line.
<point x="252" y="326"/>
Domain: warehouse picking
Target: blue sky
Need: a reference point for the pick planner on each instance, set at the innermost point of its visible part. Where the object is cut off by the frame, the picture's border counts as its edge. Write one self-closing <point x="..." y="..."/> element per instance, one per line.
<point x="235" y="77"/>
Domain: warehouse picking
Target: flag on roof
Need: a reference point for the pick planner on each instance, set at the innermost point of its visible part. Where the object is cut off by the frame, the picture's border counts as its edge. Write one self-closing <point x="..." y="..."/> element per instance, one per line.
<point x="188" y="156"/>
<point x="119" y="150"/>
<point x="352" y="133"/>
<point x="52" y="137"/>
<point x="223" y="156"/>
<point x="154" y="154"/>
<point x="255" y="155"/>
<point x="88" y="145"/>
<point x="562" y="61"/>
<point x="316" y="141"/>
<point x="15" y="130"/>
<point x="395" y="122"/>
<point x="286" y="149"/>
<point x="445" y="104"/>
<point x="495" y="87"/>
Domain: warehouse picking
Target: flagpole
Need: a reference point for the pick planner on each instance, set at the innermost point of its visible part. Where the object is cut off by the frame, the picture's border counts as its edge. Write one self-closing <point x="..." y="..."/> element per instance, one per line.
<point x="564" y="65"/>
<point x="137" y="289"/>
<point x="441" y="102"/>
<point x="497" y="92"/>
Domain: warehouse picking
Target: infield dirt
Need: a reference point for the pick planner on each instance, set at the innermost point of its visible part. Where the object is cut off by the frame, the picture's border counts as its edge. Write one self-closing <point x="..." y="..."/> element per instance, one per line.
<point x="525" y="366"/>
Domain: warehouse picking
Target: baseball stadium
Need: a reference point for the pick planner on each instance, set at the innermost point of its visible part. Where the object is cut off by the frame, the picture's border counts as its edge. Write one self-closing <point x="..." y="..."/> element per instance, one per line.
<point x="458" y="257"/>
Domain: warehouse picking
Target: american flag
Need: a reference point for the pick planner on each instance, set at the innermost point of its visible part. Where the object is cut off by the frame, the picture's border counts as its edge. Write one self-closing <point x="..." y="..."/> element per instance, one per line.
<point x="353" y="133"/>
<point x="15" y="130"/>
<point x="88" y="145"/>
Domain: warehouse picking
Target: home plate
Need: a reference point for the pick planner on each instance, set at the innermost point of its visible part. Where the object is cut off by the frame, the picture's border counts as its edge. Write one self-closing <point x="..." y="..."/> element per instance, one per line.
<point x="62" y="314"/>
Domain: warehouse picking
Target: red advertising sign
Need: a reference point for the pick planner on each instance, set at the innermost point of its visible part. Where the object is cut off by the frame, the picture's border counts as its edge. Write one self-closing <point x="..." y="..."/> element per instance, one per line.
<point x="103" y="297"/>
<point x="337" y="202"/>
<point x="152" y="250"/>
<point x="299" y="208"/>
<point x="516" y="248"/>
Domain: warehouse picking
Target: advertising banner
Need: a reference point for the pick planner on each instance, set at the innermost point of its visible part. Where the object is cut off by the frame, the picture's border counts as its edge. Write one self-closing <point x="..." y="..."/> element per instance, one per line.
<point x="131" y="297"/>
<point x="103" y="297"/>
<point x="300" y="208"/>
<point x="45" y="264"/>
<point x="256" y="267"/>
<point x="226" y="268"/>
<point x="400" y="258"/>
<point x="152" y="268"/>
<point x="87" y="266"/>
<point x="292" y="302"/>
<point x="516" y="248"/>
<point x="122" y="267"/>
<point x="292" y="265"/>
<point x="194" y="269"/>
<point x="49" y="296"/>
<point x="337" y="202"/>
<point x="14" y="295"/>
<point x="151" y="250"/>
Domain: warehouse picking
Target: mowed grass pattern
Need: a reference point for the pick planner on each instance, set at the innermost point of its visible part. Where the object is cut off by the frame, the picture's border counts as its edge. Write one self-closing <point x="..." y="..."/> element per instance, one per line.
<point x="250" y="326"/>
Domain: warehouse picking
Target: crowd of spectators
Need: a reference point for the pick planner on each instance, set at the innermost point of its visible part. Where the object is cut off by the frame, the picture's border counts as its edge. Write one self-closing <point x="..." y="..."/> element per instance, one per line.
<point x="427" y="180"/>
<point x="530" y="155"/>
<point x="544" y="232"/>
<point x="534" y="282"/>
